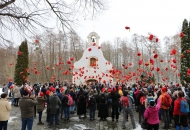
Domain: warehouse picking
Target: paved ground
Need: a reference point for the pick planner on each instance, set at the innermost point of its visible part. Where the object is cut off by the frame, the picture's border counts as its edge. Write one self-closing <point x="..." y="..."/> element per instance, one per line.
<point x="74" y="124"/>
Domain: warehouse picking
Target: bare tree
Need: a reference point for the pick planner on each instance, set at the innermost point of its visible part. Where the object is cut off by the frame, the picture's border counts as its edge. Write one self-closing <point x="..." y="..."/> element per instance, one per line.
<point x="29" y="16"/>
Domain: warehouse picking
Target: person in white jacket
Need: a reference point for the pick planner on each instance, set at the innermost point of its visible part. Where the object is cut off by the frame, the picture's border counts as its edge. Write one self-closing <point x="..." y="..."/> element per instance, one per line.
<point x="5" y="109"/>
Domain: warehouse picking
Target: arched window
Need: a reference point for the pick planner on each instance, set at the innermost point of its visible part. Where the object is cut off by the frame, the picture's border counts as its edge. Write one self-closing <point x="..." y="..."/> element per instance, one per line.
<point x="92" y="61"/>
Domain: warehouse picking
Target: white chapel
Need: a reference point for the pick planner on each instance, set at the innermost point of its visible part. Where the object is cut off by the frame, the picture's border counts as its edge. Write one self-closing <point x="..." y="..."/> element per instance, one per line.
<point x="92" y="67"/>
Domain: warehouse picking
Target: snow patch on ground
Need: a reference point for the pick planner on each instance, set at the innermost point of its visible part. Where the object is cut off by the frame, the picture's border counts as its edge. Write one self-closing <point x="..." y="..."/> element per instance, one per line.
<point x="11" y="119"/>
<point x="138" y="127"/>
<point x="77" y="127"/>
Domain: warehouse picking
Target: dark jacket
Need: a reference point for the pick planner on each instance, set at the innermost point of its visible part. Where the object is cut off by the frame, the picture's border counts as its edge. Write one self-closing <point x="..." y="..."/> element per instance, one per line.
<point x="115" y="99"/>
<point x="73" y="95"/>
<point x="65" y="101"/>
<point x="27" y="107"/>
<point x="44" y="90"/>
<point x="54" y="103"/>
<point x="40" y="105"/>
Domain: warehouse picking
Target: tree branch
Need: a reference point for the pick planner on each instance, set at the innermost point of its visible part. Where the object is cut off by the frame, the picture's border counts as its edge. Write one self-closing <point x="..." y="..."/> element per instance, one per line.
<point x="6" y="4"/>
<point x="14" y="16"/>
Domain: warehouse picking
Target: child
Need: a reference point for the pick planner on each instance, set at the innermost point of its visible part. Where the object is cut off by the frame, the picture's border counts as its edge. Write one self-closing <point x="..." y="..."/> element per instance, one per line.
<point x="40" y="106"/>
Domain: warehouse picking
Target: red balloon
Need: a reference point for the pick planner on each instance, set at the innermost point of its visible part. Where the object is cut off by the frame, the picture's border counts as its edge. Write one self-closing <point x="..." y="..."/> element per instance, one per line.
<point x="36" y="41"/>
<point x="157" y="39"/>
<point x="127" y="27"/>
<point x="138" y="54"/>
<point x="181" y="34"/>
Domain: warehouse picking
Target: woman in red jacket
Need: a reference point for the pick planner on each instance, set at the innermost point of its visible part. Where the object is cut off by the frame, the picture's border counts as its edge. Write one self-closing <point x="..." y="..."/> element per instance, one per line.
<point x="179" y="118"/>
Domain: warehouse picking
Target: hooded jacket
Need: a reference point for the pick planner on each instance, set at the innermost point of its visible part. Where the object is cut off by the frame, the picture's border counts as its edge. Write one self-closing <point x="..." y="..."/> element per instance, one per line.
<point x="151" y="114"/>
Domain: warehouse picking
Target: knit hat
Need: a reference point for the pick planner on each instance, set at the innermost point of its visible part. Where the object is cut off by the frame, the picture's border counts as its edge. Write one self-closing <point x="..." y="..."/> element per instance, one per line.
<point x="152" y="103"/>
<point x="164" y="89"/>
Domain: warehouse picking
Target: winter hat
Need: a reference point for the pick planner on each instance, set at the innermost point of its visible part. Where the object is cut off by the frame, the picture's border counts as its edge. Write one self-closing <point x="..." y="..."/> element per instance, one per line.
<point x="152" y="103"/>
<point x="109" y="90"/>
<point x="164" y="89"/>
<point x="114" y="89"/>
<point x="41" y="94"/>
<point x="52" y="89"/>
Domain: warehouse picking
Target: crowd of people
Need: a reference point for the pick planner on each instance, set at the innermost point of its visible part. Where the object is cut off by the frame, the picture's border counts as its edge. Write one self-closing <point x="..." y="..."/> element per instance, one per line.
<point x="152" y="102"/>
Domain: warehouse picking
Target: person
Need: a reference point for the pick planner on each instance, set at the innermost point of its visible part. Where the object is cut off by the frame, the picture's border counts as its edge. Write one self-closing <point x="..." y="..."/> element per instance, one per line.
<point x="151" y="114"/>
<point x="5" y="109"/>
<point x="73" y="95"/>
<point x="164" y="108"/>
<point x="26" y="105"/>
<point x="65" y="106"/>
<point x="92" y="103"/>
<point x="6" y="89"/>
<point x="179" y="117"/>
<point x="81" y="106"/>
<point x="150" y="97"/>
<point x="141" y="99"/>
<point x="17" y="95"/>
<point x="126" y="102"/>
<point x="54" y="104"/>
<point x="103" y="106"/>
<point x="40" y="106"/>
<point x="115" y="104"/>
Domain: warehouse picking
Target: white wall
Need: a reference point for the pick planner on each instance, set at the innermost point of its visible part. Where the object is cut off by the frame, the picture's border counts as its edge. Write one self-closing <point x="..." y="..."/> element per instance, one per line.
<point x="83" y="62"/>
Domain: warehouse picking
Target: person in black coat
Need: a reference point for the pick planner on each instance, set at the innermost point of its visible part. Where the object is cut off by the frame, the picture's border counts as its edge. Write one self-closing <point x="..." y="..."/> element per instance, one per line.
<point x="140" y="105"/>
<point x="81" y="106"/>
<point x="115" y="104"/>
<point x="103" y="108"/>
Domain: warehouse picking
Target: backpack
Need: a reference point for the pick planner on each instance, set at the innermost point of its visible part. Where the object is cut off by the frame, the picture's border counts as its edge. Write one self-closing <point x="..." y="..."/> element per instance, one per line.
<point x="142" y="100"/>
<point x="131" y="93"/>
<point x="184" y="107"/>
<point x="167" y="100"/>
<point x="70" y="100"/>
<point x="125" y="101"/>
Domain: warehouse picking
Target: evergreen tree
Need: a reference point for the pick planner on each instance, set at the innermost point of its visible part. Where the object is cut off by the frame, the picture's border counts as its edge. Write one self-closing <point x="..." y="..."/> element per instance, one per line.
<point x="21" y="68"/>
<point x="185" y="59"/>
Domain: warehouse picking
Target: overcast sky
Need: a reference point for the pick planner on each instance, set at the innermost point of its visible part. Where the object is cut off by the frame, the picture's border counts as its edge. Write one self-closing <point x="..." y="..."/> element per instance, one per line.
<point x="159" y="17"/>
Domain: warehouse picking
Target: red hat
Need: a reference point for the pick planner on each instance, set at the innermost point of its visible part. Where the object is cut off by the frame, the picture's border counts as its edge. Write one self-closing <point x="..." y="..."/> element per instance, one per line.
<point x="41" y="94"/>
<point x="47" y="92"/>
<point x="164" y="89"/>
<point x="53" y="89"/>
<point x="109" y="90"/>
